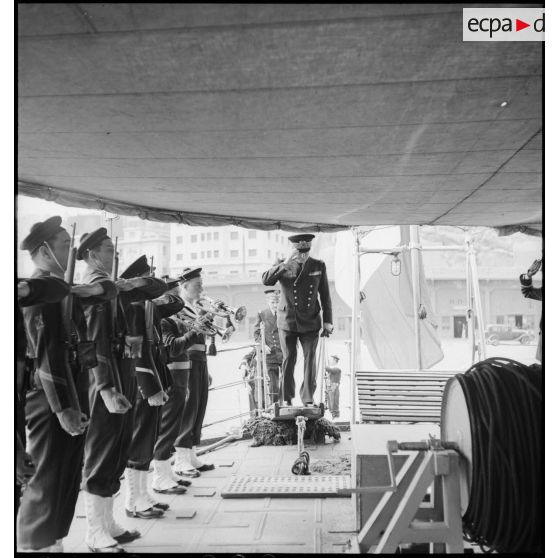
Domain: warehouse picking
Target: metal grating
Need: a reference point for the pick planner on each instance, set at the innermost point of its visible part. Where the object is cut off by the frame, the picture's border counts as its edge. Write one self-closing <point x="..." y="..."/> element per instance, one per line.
<point x="307" y="486"/>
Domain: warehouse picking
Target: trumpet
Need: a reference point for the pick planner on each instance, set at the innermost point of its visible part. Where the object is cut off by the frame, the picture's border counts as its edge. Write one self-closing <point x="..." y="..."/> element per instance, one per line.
<point x="220" y="309"/>
<point x="203" y="324"/>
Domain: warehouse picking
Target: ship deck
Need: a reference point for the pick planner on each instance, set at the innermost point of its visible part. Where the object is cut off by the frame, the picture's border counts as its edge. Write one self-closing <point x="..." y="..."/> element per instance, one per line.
<point x="288" y="525"/>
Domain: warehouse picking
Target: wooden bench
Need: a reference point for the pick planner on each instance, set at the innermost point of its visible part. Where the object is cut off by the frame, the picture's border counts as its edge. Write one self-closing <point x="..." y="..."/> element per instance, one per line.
<point x="401" y="395"/>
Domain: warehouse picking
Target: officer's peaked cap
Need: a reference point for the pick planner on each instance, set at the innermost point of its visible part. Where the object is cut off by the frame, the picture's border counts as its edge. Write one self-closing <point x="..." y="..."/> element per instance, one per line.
<point x="301" y="237"/>
<point x="136" y="269"/>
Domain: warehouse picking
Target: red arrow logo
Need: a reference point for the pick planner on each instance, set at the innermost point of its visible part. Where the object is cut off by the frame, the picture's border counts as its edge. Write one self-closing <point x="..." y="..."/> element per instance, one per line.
<point x="519" y="25"/>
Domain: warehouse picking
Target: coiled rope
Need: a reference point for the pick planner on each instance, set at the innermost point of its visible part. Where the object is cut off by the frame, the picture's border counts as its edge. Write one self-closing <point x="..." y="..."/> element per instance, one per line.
<point x="504" y="401"/>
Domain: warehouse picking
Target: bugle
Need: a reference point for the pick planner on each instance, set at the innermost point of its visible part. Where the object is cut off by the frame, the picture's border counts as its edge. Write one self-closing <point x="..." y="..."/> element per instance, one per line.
<point x="219" y="308"/>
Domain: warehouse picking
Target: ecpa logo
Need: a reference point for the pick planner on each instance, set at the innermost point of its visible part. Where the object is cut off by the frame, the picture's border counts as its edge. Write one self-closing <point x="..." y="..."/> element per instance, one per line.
<point x="503" y="24"/>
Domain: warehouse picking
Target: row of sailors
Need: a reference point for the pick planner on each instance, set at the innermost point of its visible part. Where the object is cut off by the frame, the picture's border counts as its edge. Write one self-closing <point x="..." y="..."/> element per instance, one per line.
<point x="111" y="379"/>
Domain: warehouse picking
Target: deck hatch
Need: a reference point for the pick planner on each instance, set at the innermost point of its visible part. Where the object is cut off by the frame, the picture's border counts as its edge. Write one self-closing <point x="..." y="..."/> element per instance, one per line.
<point x="310" y="486"/>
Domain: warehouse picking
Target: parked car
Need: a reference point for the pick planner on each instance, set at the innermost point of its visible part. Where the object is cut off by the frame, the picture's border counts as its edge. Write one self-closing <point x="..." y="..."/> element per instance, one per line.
<point x="500" y="332"/>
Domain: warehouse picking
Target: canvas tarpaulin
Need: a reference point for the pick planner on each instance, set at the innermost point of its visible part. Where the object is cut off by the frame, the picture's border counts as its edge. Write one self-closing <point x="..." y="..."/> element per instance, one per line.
<point x="386" y="311"/>
<point x="314" y="117"/>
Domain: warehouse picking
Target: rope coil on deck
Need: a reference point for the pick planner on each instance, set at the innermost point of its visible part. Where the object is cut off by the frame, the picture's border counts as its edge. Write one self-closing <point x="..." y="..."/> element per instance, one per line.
<point x="504" y="400"/>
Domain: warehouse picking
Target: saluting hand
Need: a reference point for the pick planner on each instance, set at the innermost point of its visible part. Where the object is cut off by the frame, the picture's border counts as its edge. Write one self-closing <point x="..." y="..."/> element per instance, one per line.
<point x="72" y="421"/>
<point x="157" y="400"/>
<point x="114" y="401"/>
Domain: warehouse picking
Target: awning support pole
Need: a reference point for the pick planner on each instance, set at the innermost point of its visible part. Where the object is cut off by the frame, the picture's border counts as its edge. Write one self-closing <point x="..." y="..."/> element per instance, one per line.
<point x="478" y="300"/>
<point x="355" y="329"/>
<point x="415" y="251"/>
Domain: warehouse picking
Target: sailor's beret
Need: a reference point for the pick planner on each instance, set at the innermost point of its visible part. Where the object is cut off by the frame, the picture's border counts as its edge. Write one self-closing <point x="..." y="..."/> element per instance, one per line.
<point x="41" y="232"/>
<point x="91" y="240"/>
<point x="137" y="268"/>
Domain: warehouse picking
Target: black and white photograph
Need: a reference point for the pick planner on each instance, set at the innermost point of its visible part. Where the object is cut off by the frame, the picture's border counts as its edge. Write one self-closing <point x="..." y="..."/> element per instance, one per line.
<point x="279" y="278"/>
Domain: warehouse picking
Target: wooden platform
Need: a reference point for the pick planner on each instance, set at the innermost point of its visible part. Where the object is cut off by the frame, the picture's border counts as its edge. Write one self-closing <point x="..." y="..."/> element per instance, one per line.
<point x="401" y="395"/>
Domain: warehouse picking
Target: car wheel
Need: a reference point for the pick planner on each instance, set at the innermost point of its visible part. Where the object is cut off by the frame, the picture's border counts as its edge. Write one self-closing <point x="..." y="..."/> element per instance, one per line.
<point x="527" y="339"/>
<point x="492" y="340"/>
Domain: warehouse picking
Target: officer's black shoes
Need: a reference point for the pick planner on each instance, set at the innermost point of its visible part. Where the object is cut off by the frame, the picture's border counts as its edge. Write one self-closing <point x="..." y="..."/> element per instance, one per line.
<point x="288" y="403"/>
<point x="178" y="489"/>
<point x="161" y="506"/>
<point x="206" y="467"/>
<point x="183" y="482"/>
<point x="107" y="549"/>
<point x="127" y="536"/>
<point x="150" y="513"/>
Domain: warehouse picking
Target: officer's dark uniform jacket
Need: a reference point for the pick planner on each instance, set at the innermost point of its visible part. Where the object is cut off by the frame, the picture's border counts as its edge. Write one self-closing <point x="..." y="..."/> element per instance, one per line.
<point x="302" y="297"/>
<point x="268" y="318"/>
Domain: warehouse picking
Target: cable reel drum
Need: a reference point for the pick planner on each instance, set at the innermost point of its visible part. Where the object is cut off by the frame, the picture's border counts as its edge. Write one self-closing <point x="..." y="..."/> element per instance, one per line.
<point x="455" y="426"/>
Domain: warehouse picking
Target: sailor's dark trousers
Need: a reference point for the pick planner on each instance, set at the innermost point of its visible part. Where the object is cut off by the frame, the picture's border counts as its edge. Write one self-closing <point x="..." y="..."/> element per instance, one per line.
<point x="109" y="436"/>
<point x="48" y="503"/>
<point x="171" y="414"/>
<point x="196" y="402"/>
<point x="144" y="436"/>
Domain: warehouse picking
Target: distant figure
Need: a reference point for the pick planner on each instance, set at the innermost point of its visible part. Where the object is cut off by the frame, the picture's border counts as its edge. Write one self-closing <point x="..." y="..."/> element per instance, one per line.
<point x="333" y="381"/>
<point x="249" y="369"/>
<point x="274" y="355"/>
<point x="534" y="293"/>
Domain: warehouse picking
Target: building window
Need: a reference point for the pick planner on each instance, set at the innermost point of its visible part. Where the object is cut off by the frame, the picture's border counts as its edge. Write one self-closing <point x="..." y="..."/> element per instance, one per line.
<point x="252" y="253"/>
<point x="164" y="250"/>
<point x="234" y="235"/>
<point x="178" y="257"/>
<point x="213" y="273"/>
<point x="208" y="254"/>
<point x="269" y="254"/>
<point x="446" y="323"/>
<point x="341" y="324"/>
<point x="215" y="236"/>
<point x="499" y="319"/>
<point x="252" y="273"/>
<point x="194" y="238"/>
<point x="179" y="240"/>
<point x="234" y="253"/>
<point x="193" y="256"/>
<point x="252" y="234"/>
<point x="233" y="272"/>
<point x="202" y="237"/>
<point x="215" y="253"/>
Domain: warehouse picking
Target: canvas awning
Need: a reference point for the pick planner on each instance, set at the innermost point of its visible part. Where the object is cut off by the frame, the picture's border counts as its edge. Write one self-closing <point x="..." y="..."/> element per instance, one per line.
<point x="314" y="117"/>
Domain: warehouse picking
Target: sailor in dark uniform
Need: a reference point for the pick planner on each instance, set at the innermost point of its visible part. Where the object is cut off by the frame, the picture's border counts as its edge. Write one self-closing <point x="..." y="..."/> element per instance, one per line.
<point x="112" y="391"/>
<point x="189" y="342"/>
<point x="304" y="299"/>
<point x="274" y="356"/>
<point x="150" y="396"/>
<point x="56" y="401"/>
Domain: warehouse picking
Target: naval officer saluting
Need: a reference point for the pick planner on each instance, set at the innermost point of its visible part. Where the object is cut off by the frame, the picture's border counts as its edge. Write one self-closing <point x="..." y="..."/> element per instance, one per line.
<point x="304" y="299"/>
